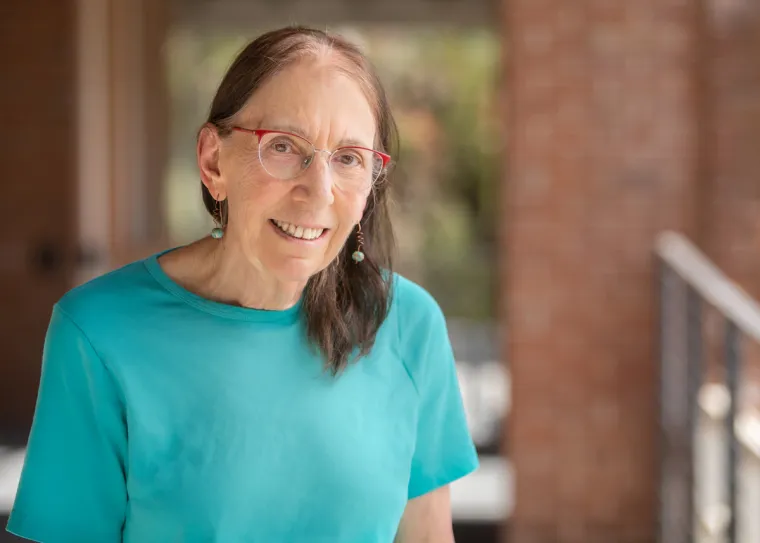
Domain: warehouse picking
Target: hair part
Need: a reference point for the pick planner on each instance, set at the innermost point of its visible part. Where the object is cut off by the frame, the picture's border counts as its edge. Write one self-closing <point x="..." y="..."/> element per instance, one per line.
<point x="346" y="303"/>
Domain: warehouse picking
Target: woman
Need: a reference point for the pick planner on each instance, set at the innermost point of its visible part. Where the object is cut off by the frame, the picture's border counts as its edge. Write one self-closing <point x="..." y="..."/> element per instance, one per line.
<point x="273" y="382"/>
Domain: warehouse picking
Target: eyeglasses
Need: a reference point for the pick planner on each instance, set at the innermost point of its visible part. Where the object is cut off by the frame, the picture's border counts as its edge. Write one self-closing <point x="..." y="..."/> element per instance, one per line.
<point x="285" y="156"/>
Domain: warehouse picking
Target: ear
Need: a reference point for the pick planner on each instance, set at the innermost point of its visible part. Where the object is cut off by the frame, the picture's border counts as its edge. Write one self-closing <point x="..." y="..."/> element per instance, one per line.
<point x="208" y="150"/>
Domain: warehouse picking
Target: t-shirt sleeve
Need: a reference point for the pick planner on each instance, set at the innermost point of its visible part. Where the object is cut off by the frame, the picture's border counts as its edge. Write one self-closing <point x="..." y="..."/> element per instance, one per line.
<point x="72" y="486"/>
<point x="444" y="450"/>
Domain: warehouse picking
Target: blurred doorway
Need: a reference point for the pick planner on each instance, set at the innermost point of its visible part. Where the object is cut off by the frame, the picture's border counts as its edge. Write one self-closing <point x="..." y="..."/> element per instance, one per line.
<point x="38" y="153"/>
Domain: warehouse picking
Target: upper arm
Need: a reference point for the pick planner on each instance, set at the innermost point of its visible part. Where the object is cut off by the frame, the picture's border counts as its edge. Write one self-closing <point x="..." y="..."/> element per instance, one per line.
<point x="427" y="519"/>
<point x="72" y="486"/>
<point x="443" y="450"/>
<point x="443" y="447"/>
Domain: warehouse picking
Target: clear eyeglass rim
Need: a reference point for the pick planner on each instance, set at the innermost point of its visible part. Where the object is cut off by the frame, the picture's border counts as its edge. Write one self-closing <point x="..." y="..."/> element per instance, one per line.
<point x="261" y="132"/>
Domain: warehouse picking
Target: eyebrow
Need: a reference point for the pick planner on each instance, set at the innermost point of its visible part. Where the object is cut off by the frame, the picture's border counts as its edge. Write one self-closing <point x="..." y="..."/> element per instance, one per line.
<point x="345" y="142"/>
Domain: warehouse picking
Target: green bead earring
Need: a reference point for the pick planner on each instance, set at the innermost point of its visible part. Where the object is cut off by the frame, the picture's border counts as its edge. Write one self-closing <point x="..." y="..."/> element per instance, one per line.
<point x="358" y="255"/>
<point x="218" y="231"/>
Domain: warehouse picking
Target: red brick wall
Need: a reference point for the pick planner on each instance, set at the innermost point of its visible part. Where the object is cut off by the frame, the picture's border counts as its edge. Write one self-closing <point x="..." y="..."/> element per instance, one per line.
<point x="732" y="133"/>
<point x="603" y="133"/>
<point x="734" y="203"/>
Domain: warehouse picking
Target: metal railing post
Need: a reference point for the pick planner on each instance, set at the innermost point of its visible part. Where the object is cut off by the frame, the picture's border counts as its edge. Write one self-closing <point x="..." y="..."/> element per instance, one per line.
<point x="694" y="367"/>
<point x="732" y="359"/>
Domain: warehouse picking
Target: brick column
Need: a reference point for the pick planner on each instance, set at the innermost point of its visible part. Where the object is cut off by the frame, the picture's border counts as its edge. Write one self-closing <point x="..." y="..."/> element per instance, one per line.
<point x="602" y="135"/>
<point x="732" y="136"/>
<point x="734" y="99"/>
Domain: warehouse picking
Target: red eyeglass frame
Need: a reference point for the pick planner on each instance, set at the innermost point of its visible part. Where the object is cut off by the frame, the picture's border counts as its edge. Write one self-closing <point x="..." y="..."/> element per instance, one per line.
<point x="260" y="132"/>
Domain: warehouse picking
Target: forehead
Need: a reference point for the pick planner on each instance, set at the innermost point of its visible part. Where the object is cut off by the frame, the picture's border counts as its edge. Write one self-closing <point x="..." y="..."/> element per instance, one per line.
<point x="317" y="97"/>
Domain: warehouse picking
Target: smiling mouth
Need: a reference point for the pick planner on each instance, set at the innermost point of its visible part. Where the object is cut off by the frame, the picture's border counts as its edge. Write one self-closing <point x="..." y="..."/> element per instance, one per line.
<point x="298" y="232"/>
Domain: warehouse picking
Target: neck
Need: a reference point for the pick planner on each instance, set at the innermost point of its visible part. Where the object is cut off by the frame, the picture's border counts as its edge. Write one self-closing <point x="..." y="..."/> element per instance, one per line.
<point x="230" y="277"/>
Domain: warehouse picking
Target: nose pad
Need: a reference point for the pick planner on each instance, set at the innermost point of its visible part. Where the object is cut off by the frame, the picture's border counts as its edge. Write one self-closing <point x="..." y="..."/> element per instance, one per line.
<point x="318" y="184"/>
<point x="307" y="161"/>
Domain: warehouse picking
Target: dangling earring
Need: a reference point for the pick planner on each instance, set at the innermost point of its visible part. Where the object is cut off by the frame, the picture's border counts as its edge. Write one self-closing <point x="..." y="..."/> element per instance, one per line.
<point x="218" y="231"/>
<point x="358" y="255"/>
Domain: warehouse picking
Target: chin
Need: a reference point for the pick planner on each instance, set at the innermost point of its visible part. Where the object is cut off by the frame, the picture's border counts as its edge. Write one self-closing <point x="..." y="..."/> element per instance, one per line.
<point x="296" y="270"/>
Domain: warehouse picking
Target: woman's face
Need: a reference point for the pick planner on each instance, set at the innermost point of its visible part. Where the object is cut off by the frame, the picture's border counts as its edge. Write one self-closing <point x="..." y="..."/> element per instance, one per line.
<point x="314" y="99"/>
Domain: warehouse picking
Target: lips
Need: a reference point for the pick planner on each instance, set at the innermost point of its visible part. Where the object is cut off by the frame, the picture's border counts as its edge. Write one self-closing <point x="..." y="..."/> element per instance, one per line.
<point x="297" y="231"/>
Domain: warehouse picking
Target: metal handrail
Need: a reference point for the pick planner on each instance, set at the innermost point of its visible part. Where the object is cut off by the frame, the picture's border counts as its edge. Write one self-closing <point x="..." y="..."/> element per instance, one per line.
<point x="690" y="407"/>
<point x="712" y="284"/>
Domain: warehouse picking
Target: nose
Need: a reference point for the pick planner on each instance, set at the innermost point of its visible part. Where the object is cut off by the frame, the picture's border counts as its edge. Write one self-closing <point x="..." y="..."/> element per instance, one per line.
<point x="316" y="184"/>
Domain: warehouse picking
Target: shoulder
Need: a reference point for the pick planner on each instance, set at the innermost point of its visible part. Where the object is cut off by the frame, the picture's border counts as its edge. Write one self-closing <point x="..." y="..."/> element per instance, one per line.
<point x="92" y="303"/>
<point x="423" y="338"/>
<point x="414" y="304"/>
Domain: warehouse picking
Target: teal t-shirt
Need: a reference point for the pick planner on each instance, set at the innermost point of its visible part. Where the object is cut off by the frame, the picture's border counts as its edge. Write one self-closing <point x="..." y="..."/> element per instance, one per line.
<point x="164" y="417"/>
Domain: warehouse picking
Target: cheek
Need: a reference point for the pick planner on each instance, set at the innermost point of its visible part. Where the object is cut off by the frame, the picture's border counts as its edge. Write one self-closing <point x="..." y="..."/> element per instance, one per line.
<point x="254" y="188"/>
<point x="350" y="213"/>
<point x="354" y="207"/>
<point x="252" y="202"/>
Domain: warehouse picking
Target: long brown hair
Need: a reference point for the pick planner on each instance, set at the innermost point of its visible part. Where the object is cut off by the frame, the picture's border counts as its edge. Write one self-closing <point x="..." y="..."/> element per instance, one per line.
<point x="345" y="303"/>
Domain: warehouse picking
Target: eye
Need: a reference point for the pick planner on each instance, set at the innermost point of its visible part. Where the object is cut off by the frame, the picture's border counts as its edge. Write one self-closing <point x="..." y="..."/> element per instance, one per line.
<point x="349" y="158"/>
<point x="282" y="145"/>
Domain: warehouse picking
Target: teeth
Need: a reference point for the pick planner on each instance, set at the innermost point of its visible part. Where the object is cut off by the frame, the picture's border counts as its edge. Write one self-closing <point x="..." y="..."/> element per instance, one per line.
<point x="299" y="231"/>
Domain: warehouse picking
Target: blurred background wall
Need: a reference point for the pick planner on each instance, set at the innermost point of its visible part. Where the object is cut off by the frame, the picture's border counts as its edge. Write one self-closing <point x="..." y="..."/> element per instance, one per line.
<point x="545" y="144"/>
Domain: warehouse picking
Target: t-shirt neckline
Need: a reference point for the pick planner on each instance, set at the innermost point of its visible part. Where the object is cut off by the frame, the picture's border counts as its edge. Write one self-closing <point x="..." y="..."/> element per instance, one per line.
<point x="288" y="315"/>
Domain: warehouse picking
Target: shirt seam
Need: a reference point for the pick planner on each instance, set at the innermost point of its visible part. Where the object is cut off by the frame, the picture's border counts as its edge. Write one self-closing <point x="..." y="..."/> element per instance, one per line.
<point x="399" y="328"/>
<point x="90" y="344"/>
